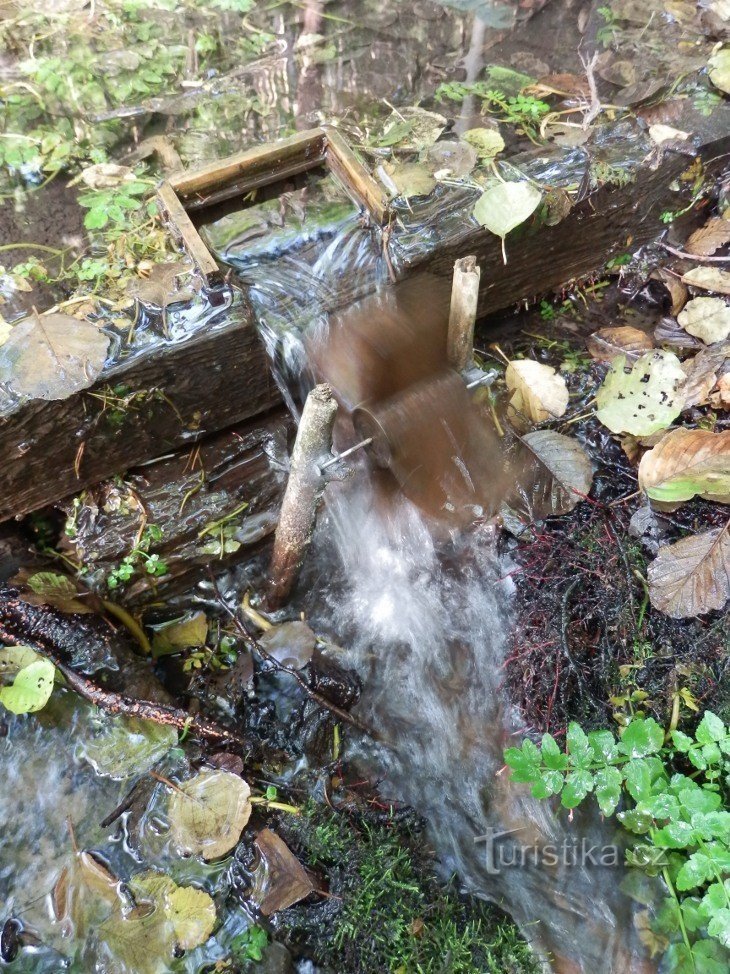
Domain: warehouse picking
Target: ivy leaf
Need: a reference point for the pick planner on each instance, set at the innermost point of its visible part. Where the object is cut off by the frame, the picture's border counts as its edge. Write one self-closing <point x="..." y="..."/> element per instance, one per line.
<point x="31" y="689"/>
<point x="641" y="737"/>
<point x="608" y="789"/>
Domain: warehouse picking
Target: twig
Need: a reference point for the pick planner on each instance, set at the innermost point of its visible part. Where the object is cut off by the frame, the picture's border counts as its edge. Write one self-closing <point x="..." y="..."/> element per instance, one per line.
<point x="594" y="107"/>
<point x="696" y="257"/>
<point x="117" y="703"/>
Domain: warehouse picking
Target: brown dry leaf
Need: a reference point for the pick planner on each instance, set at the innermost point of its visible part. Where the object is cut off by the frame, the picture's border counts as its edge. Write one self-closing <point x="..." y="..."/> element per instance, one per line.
<point x="568" y="85"/>
<point x="678" y="291"/>
<point x="702" y="372"/>
<point x="692" y="576"/>
<point x="289" y="643"/>
<point x="553" y="474"/>
<point x="709" y="279"/>
<point x="708" y="239"/>
<point x="720" y="398"/>
<point x="160" y="288"/>
<point x="208" y="813"/>
<point x="52" y="356"/>
<point x="280" y="880"/>
<point x="538" y="391"/>
<point x="105" y="175"/>
<point x="688" y="463"/>
<point x="607" y="343"/>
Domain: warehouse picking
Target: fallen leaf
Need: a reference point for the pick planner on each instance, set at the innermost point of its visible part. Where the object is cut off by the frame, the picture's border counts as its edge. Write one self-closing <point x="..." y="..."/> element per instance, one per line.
<point x="453" y="158"/>
<point x="50" y="588"/>
<point x="31" y="689"/>
<point x="188" y="632"/>
<point x="678" y="291"/>
<point x="160" y="287"/>
<point x="720" y="398"/>
<point x="538" y="391"/>
<point x="137" y="941"/>
<point x="192" y="914"/>
<point x="106" y="175"/>
<point x="719" y="69"/>
<point x="412" y="179"/>
<point x="52" y="356"/>
<point x="554" y="473"/>
<point x="707" y="319"/>
<point x="208" y="813"/>
<point x="669" y="332"/>
<point x="418" y="129"/>
<point x="120" y="747"/>
<point x="644" y="398"/>
<point x="709" y="238"/>
<point x="15" y="658"/>
<point x="505" y="206"/>
<point x="280" y="880"/>
<point x="702" y="371"/>
<point x="290" y="643"/>
<point x="665" y="133"/>
<point x="687" y="463"/>
<point x="692" y="576"/>
<point x="605" y="344"/>
<point x="709" y="279"/>
<point x="487" y="142"/>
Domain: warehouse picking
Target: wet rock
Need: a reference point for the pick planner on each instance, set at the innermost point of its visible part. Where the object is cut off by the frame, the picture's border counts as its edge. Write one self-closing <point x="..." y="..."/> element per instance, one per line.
<point x="276" y="960"/>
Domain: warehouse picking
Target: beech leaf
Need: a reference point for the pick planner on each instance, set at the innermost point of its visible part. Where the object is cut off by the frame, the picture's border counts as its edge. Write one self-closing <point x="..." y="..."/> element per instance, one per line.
<point x="605" y="344"/>
<point x="686" y="463"/>
<point x="52" y="356"/>
<point x="209" y="812"/>
<point x="538" y="392"/>
<point x="280" y="880"/>
<point x="556" y="474"/>
<point x="692" y="576"/>
<point x="707" y="319"/>
<point x="644" y="398"/>
<point x="709" y="279"/>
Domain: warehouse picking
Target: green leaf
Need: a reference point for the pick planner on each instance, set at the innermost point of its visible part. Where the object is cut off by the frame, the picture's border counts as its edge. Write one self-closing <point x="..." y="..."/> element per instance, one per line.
<point x="641" y="737"/>
<point x="692" y="914"/>
<point x="579" y="748"/>
<point x="608" y="789"/>
<point x="552" y="756"/>
<point x="505" y="206"/>
<point x="190" y="631"/>
<point x="549" y="783"/>
<point x="31" y="689"/>
<point x="577" y="785"/>
<point x="525" y="770"/>
<point x="699" y="800"/>
<point x="644" y="397"/>
<point x="635" y="821"/>
<point x="603" y="745"/>
<point x="126" y="746"/>
<point x="638" y="779"/>
<point x="696" y="871"/>
<point x="487" y="142"/>
<point x="710" y="729"/>
<point x="719" y="69"/>
<point x="716" y="898"/>
<point x="675" y="835"/>
<point x="682" y="742"/>
<point x="96" y="219"/>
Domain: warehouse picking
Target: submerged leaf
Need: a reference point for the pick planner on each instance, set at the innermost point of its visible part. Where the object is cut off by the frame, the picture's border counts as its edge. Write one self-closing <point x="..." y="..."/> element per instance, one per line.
<point x="160" y="288"/>
<point x="707" y="319"/>
<point x="190" y="911"/>
<point x="52" y="356"/>
<point x="280" y="880"/>
<point x="538" y="392"/>
<point x="209" y="812"/>
<point x="290" y="643"/>
<point x="692" y="576"/>
<point x="451" y="158"/>
<point x="188" y="632"/>
<point x="31" y="689"/>
<point x="487" y="142"/>
<point x="605" y="344"/>
<point x="13" y="659"/>
<point x="719" y="69"/>
<point x="642" y="399"/>
<point x="126" y="746"/>
<point x="686" y="463"/>
<point x="412" y="179"/>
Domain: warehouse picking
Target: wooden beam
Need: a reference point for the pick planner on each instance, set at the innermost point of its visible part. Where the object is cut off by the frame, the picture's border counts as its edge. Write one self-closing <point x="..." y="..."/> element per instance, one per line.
<point x="349" y="170"/>
<point x="183" y="228"/>
<point x="175" y="393"/>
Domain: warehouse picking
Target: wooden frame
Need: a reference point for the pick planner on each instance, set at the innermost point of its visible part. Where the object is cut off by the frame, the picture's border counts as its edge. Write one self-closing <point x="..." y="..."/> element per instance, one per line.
<point x="263" y="165"/>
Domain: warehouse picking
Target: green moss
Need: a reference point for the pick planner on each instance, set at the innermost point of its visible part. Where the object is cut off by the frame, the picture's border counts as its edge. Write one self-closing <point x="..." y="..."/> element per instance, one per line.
<point x="388" y="912"/>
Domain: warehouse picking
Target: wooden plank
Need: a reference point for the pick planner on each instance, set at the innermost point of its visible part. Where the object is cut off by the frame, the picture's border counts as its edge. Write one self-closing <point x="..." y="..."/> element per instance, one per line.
<point x="304" y="150"/>
<point x="182" y="226"/>
<point x="236" y="477"/>
<point x="345" y="165"/>
<point x="175" y="393"/>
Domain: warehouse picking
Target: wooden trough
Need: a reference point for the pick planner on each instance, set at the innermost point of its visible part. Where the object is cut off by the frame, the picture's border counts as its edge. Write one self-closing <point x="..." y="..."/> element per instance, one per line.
<point x="219" y="376"/>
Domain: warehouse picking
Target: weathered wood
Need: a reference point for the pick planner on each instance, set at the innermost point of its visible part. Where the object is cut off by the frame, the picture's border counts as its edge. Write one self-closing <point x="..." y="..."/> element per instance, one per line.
<point x="463" y="313"/>
<point x="175" y="393"/>
<point x="304" y="487"/>
<point x="345" y="165"/>
<point x="183" y="227"/>
<point x="227" y="488"/>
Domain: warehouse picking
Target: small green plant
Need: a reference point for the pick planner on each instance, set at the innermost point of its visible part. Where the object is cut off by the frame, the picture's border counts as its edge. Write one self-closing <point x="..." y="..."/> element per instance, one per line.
<point x="615" y="263"/>
<point x="524" y="111"/>
<point x="250" y="945"/>
<point x="606" y="34"/>
<point x="672" y="794"/>
<point x="112" y="206"/>
<point x="139" y="558"/>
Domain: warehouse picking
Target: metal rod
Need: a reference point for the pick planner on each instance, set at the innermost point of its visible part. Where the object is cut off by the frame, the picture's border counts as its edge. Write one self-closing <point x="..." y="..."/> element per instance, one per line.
<point x="346" y="453"/>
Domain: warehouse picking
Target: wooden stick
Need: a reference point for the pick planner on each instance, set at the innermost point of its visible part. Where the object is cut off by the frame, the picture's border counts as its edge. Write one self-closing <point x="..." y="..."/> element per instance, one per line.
<point x="303" y="490"/>
<point x="181" y="223"/>
<point x="464" y="298"/>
